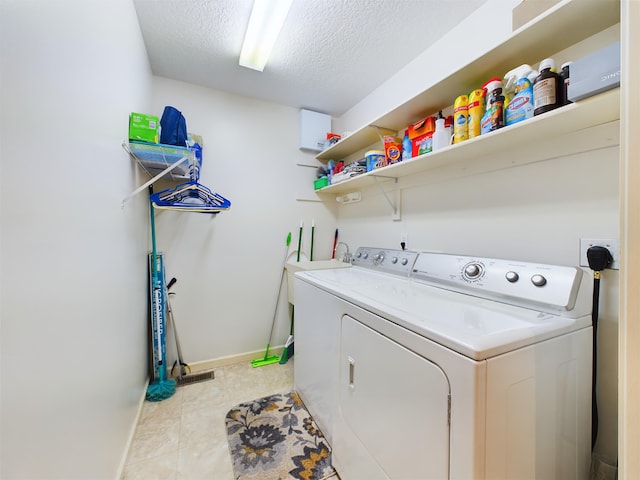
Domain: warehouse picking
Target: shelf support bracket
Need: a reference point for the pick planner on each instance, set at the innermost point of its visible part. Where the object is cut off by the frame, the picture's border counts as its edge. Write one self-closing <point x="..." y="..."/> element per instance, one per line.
<point x="395" y="208"/>
<point x="380" y="136"/>
<point x="153" y="180"/>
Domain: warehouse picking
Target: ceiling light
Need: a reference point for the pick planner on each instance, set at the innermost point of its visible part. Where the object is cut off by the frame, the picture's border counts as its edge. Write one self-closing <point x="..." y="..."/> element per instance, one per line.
<point x="267" y="18"/>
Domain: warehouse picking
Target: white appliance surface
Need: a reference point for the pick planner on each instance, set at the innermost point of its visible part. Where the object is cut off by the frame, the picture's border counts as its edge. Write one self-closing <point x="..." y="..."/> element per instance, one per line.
<point x="475" y="327"/>
<point x="478" y="377"/>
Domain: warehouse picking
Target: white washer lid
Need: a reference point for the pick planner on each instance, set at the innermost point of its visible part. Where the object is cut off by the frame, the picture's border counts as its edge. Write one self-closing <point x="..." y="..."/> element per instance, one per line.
<point x="475" y="327"/>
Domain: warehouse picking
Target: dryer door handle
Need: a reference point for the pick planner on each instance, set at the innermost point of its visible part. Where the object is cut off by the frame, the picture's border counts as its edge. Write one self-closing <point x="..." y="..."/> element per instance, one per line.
<point x="352" y="367"/>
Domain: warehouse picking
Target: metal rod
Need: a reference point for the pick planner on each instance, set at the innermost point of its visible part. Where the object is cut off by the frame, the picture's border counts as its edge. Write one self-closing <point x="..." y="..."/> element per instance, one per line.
<point x="154" y="179"/>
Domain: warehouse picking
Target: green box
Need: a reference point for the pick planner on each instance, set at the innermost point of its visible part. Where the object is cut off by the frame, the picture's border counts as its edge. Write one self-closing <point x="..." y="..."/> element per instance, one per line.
<point x="143" y="128"/>
<point x="320" y="183"/>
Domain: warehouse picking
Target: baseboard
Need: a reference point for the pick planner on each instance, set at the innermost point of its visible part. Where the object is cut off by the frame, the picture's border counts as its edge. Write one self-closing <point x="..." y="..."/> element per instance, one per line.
<point x="231" y="359"/>
<point x="132" y="432"/>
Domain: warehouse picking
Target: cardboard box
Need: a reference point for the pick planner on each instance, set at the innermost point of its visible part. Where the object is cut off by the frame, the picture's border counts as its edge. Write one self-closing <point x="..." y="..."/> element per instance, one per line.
<point x="319" y="183"/>
<point x="528" y="10"/>
<point x="393" y="149"/>
<point x="422" y="127"/>
<point x="417" y="147"/>
<point x="595" y="73"/>
<point x="143" y="128"/>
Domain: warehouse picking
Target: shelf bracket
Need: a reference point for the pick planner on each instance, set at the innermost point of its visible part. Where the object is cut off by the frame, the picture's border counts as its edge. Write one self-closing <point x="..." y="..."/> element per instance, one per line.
<point x="395" y="208"/>
<point x="380" y="136"/>
<point x="154" y="179"/>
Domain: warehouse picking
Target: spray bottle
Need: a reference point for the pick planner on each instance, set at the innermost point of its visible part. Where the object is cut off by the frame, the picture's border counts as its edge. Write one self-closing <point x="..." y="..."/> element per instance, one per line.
<point x="475" y="112"/>
<point x="519" y="88"/>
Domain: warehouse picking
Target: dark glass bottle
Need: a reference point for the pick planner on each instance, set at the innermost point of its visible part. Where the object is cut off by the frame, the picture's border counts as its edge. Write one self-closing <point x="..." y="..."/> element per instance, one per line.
<point x="564" y="76"/>
<point x="547" y="88"/>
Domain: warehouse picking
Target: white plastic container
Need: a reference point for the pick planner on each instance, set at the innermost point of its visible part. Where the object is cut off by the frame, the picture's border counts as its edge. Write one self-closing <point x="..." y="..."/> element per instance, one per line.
<point x="441" y="136"/>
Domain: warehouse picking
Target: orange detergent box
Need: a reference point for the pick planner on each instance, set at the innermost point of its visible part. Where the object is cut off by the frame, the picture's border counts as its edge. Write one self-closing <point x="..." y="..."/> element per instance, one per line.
<point x="422" y="127"/>
<point x="419" y="132"/>
<point x="392" y="149"/>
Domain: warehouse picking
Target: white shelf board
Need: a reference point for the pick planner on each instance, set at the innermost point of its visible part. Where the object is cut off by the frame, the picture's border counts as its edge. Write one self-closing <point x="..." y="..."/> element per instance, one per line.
<point x="597" y="110"/>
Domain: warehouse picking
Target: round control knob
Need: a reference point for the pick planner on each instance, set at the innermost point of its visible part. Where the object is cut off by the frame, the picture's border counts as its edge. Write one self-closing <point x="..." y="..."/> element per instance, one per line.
<point x="472" y="270"/>
<point x="512" y="277"/>
<point x="538" y="280"/>
<point x="404" y="261"/>
<point x="394" y="260"/>
<point x="365" y="256"/>
<point x="359" y="254"/>
<point x="378" y="258"/>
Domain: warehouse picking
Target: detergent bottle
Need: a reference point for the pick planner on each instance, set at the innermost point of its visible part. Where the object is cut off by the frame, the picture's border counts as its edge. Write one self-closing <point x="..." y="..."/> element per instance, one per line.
<point x="406" y="146"/>
<point x="519" y="88"/>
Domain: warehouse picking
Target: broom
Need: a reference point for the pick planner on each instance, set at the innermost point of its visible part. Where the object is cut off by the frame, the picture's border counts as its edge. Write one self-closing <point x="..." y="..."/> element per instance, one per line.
<point x="287" y="353"/>
<point x="161" y="388"/>
<point x="268" y="360"/>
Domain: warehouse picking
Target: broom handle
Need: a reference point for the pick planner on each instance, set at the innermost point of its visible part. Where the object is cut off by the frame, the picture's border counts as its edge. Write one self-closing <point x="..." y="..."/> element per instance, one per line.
<point x="299" y="241"/>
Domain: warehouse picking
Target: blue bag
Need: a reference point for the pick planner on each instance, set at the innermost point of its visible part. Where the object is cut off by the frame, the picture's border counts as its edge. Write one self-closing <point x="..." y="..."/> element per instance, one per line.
<point x="173" y="127"/>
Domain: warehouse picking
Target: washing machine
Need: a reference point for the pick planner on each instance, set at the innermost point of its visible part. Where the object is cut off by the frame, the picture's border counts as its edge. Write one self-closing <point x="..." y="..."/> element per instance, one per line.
<point x="422" y="365"/>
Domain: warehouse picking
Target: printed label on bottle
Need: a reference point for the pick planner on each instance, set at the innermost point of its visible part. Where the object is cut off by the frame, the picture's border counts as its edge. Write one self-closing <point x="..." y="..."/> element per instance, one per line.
<point x="544" y="93"/>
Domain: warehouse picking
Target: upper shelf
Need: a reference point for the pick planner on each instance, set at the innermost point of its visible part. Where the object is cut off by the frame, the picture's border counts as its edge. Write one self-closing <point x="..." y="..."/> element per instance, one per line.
<point x="562" y="26"/>
<point x="600" y="109"/>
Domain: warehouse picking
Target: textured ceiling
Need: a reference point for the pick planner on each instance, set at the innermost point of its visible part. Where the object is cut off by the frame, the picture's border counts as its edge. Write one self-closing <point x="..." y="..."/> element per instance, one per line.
<point x="329" y="55"/>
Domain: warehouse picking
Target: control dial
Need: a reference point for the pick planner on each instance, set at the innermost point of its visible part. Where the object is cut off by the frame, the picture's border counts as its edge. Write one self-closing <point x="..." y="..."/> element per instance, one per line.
<point x="512" y="277"/>
<point x="538" y="280"/>
<point x="472" y="271"/>
<point x="378" y="258"/>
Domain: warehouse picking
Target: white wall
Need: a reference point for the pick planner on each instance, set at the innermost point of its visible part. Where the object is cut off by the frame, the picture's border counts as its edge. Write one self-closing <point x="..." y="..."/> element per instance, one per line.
<point x="73" y="262"/>
<point x="537" y="212"/>
<point x="228" y="266"/>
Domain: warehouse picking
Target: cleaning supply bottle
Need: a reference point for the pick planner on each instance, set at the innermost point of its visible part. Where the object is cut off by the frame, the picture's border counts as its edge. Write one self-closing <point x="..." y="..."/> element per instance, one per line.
<point x="493" y="117"/>
<point x="519" y="88"/>
<point x="564" y="77"/>
<point x="475" y="111"/>
<point x="547" y="88"/>
<point x="461" y="119"/>
<point x="406" y="146"/>
<point x="442" y="134"/>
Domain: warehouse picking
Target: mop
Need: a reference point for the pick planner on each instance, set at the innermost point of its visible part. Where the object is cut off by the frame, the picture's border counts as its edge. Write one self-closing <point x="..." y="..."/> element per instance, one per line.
<point x="267" y="360"/>
<point x="162" y="387"/>
<point x="287" y="353"/>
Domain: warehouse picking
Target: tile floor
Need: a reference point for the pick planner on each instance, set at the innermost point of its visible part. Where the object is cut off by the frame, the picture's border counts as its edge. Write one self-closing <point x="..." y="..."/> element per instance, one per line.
<point x="184" y="437"/>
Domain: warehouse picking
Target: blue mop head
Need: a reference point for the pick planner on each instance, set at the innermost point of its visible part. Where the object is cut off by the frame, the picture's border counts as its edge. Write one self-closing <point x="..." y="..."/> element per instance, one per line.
<point x="161" y="390"/>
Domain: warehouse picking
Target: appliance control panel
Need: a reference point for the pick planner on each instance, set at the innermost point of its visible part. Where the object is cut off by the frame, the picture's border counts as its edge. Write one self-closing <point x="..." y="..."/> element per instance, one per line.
<point x="397" y="262"/>
<point x="534" y="285"/>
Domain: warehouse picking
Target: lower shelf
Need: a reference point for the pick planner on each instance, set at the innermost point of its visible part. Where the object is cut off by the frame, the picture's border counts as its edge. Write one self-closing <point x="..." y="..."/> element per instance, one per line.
<point x="574" y="118"/>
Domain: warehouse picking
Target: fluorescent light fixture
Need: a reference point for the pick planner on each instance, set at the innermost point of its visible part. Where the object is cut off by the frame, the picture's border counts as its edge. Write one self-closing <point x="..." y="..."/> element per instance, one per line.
<point x="267" y="18"/>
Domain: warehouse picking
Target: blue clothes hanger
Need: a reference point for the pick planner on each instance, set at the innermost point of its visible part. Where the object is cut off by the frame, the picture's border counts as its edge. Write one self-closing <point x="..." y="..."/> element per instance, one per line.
<point x="190" y="197"/>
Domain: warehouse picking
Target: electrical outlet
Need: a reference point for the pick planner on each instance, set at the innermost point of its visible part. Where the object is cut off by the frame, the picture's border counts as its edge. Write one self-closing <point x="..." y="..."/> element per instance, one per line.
<point x="613" y="245"/>
<point x="404" y="239"/>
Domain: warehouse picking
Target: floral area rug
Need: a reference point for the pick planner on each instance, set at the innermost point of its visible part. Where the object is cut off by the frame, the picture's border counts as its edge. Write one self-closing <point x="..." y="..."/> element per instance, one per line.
<point x="275" y="438"/>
